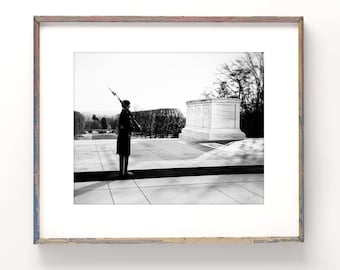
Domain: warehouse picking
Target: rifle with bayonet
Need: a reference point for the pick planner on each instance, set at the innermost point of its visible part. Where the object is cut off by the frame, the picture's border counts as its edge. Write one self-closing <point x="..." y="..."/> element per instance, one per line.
<point x="127" y="109"/>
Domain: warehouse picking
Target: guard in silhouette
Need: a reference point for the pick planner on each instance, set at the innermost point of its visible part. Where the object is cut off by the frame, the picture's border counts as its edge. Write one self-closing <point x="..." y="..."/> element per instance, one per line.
<point x="125" y="128"/>
<point x="127" y="123"/>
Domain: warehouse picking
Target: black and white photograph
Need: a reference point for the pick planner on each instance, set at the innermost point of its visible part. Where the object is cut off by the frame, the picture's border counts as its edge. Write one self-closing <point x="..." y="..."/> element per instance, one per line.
<point x="168" y="128"/>
<point x="161" y="122"/>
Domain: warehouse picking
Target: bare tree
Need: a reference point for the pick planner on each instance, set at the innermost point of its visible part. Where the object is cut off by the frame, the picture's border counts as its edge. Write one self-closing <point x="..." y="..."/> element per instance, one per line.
<point x="244" y="79"/>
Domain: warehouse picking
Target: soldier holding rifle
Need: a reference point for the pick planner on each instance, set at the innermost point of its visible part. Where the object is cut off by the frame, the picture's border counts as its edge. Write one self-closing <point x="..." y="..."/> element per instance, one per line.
<point x="125" y="127"/>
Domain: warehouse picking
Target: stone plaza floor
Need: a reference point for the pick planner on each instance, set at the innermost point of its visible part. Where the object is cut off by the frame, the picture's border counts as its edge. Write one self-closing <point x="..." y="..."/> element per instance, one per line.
<point x="209" y="189"/>
<point x="100" y="155"/>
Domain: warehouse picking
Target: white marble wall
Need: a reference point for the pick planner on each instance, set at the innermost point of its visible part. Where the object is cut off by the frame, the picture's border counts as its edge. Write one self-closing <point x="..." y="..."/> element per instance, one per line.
<point x="199" y="114"/>
<point x="213" y="119"/>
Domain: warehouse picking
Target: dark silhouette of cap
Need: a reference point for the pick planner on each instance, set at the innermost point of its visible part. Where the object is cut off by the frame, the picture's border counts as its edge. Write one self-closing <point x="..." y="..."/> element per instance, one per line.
<point x="126" y="102"/>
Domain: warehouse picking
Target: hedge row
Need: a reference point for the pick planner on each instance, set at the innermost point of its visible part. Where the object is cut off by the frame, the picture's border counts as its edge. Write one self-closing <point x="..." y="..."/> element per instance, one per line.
<point x="79" y="123"/>
<point x="160" y="123"/>
<point x="252" y="124"/>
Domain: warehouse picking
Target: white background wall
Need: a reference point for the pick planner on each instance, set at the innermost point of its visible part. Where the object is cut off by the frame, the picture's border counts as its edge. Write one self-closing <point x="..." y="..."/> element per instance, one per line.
<point x="322" y="156"/>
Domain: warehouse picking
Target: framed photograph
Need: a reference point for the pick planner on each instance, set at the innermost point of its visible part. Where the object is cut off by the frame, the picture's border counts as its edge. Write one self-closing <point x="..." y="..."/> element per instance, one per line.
<point x="168" y="129"/>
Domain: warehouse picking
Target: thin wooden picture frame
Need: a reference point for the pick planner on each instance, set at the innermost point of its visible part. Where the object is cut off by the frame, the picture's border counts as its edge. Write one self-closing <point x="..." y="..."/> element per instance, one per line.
<point x="45" y="20"/>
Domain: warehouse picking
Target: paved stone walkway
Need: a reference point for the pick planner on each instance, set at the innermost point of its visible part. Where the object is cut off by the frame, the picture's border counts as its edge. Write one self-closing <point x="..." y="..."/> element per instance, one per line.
<point x="212" y="189"/>
<point x="100" y="155"/>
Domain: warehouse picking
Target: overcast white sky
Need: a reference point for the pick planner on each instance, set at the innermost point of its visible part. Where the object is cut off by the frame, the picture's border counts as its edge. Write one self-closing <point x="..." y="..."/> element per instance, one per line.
<point x="148" y="80"/>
